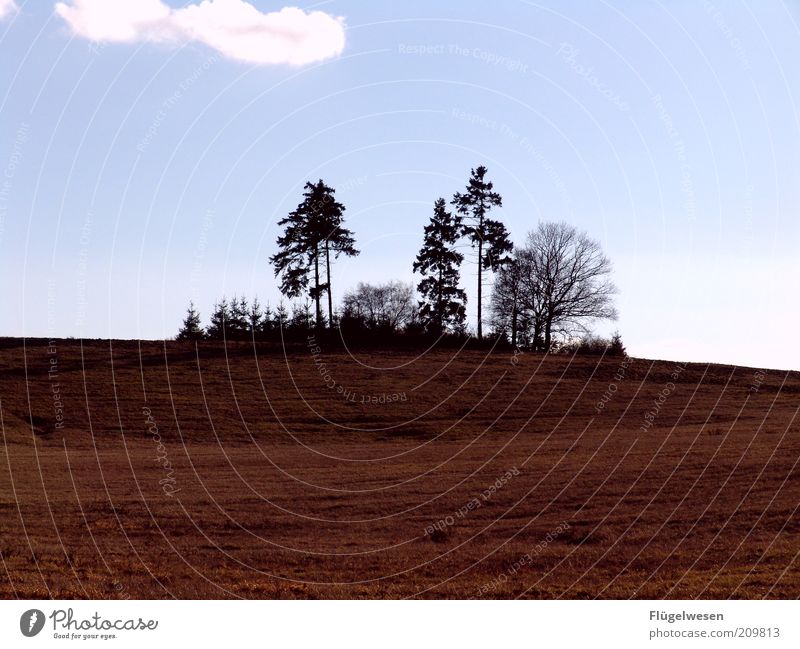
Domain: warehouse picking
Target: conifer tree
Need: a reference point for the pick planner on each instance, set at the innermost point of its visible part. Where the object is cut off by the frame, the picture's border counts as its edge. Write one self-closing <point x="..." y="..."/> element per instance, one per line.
<point x="443" y="304"/>
<point x="267" y="325"/>
<point x="219" y="328"/>
<point x="254" y="318"/>
<point x="191" y="328"/>
<point x="489" y="236"/>
<point x="302" y="318"/>
<point x="313" y="233"/>
<point x="238" y="320"/>
<point x="281" y="319"/>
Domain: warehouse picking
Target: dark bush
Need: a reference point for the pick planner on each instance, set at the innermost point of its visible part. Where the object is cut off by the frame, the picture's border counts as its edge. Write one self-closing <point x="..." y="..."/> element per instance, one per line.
<point x="591" y="345"/>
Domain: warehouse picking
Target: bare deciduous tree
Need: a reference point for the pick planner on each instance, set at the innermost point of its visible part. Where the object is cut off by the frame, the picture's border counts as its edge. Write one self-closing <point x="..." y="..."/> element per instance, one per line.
<point x="385" y="306"/>
<point x="573" y="279"/>
<point x="558" y="283"/>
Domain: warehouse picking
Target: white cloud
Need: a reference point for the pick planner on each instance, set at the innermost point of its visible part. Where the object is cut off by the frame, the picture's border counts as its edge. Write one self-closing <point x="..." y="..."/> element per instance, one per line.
<point x="235" y="28"/>
<point x="7" y="7"/>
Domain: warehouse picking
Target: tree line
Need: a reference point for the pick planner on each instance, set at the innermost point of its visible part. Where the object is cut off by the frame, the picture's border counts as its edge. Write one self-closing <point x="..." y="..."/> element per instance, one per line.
<point x="546" y="291"/>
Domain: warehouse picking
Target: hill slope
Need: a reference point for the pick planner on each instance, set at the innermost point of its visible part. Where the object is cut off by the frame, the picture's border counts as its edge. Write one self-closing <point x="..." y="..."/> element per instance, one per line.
<point x="144" y="470"/>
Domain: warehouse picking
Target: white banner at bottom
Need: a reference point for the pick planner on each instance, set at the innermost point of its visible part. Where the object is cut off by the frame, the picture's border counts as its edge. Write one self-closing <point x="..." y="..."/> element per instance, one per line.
<point x="389" y="624"/>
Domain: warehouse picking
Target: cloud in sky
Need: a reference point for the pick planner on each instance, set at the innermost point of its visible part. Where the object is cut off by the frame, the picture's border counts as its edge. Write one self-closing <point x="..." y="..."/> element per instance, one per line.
<point x="7" y="7"/>
<point x="235" y="28"/>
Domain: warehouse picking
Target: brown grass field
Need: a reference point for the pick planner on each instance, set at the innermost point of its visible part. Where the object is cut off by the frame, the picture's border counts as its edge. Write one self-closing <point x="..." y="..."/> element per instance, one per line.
<point x="254" y="472"/>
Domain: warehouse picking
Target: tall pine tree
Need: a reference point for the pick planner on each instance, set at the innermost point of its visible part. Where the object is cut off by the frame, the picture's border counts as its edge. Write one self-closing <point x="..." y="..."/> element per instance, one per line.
<point x="489" y="236"/>
<point x="443" y="304"/>
<point x="314" y="233"/>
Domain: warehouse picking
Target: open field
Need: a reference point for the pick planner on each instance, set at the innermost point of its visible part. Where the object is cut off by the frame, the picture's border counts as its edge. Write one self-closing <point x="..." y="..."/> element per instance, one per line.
<point x="245" y="472"/>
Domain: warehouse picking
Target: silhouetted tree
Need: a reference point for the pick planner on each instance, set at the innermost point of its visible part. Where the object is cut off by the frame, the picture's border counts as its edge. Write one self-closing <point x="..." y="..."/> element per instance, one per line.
<point x="616" y="347"/>
<point x="506" y="307"/>
<point x="302" y="318"/>
<point x="255" y="318"/>
<point x="438" y="261"/>
<point x="281" y="319"/>
<point x="517" y="301"/>
<point x="313" y="233"/>
<point x="238" y="319"/>
<point x="266" y="325"/>
<point x="218" y="328"/>
<point x="570" y="275"/>
<point x="489" y="236"/>
<point x="191" y="328"/>
<point x="387" y="307"/>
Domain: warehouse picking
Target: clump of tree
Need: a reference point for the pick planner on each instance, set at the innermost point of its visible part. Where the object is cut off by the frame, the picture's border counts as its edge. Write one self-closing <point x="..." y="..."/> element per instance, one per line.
<point x="388" y="315"/>
<point x="488" y="236"/>
<point x="230" y="320"/>
<point x="237" y="319"/>
<point x="592" y="345"/>
<point x="557" y="284"/>
<point x="314" y="233"/>
<point x="386" y="308"/>
<point x="547" y="292"/>
<point x="443" y="305"/>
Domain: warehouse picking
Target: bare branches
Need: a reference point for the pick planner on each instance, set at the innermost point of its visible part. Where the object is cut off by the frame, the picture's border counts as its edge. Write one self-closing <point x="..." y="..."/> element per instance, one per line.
<point x="389" y="307"/>
<point x="562" y="281"/>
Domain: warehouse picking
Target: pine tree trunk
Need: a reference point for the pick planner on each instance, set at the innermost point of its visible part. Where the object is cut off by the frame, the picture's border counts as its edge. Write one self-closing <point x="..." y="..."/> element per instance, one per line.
<point x="480" y="286"/>
<point x="439" y="305"/>
<point x="330" y="292"/>
<point x="316" y="286"/>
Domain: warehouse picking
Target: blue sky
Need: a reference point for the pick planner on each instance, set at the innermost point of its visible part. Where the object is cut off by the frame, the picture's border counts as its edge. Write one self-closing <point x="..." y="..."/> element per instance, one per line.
<point x="141" y="169"/>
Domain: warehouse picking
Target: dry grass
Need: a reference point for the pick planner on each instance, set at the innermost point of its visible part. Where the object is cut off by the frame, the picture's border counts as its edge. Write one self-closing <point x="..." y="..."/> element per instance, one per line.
<point x="287" y="488"/>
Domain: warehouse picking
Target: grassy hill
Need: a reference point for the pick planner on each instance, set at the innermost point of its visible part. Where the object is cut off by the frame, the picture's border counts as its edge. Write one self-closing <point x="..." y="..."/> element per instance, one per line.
<point x="150" y="470"/>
